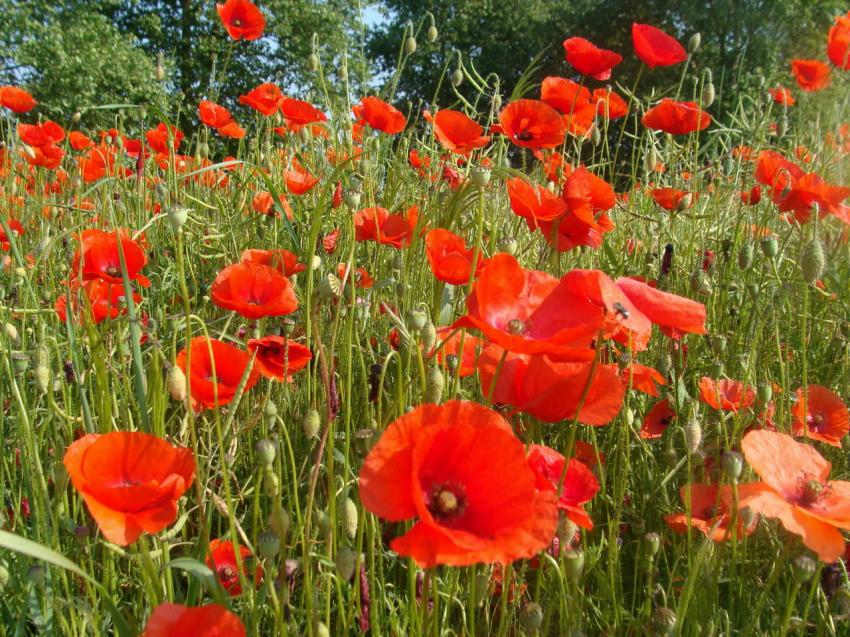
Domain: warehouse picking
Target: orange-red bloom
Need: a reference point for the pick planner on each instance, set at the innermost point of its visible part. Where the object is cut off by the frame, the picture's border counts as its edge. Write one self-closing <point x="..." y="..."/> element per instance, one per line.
<point x="811" y="75"/>
<point x="726" y="395"/>
<point x="380" y="115"/>
<point x="176" y="620"/>
<point x="674" y="314"/>
<point x="17" y="230"/>
<point x="281" y="260"/>
<point x="450" y="339"/>
<point x="103" y="299"/>
<point x="130" y="481"/>
<point x="449" y="258"/>
<point x="579" y="487"/>
<point x="377" y="224"/>
<point x="534" y="203"/>
<point x="838" y="42"/>
<point x="820" y="414"/>
<point x="265" y="98"/>
<point x="98" y="258"/>
<point x="279" y="358"/>
<point x="532" y="124"/>
<point x="796" y="489"/>
<point x="16" y="99"/>
<point x="242" y="19"/>
<point x="79" y="141"/>
<point x="657" y="419"/>
<point x="711" y="511"/>
<point x="253" y="290"/>
<point x="672" y="199"/>
<point x="588" y="59"/>
<point x="462" y="474"/>
<point x="782" y="96"/>
<point x="219" y="118"/>
<point x="656" y="48"/>
<point x="162" y="138"/>
<point x="217" y="370"/>
<point x="676" y="118"/>
<point x="222" y="560"/>
<point x="300" y="113"/>
<point x="456" y="131"/>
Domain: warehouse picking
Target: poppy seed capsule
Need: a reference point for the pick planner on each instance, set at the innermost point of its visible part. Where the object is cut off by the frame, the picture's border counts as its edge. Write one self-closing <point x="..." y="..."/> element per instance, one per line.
<point x="457" y="77"/>
<point x="574" y="563"/>
<point x="409" y="45"/>
<point x="812" y="261"/>
<point x="434" y="383"/>
<point x="663" y="622"/>
<point x="311" y="423"/>
<point x="769" y="247"/>
<point x="531" y="617"/>
<point x="651" y="544"/>
<point x="745" y="256"/>
<point x="270" y="410"/>
<point x="480" y="177"/>
<point x="764" y="393"/>
<point x="508" y="245"/>
<point x="732" y="463"/>
<point x="178" y="215"/>
<point x="804" y="568"/>
<point x="265" y="452"/>
<point x="269" y="544"/>
<point x="349" y="517"/>
<point x="416" y="320"/>
<point x="345" y="561"/>
<point x="431" y="34"/>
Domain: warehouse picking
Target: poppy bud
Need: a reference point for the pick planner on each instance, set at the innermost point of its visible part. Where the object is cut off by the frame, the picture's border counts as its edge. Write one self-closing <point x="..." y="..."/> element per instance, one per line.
<point x="651" y="544"/>
<point x="457" y="77"/>
<point x="508" y="245"/>
<point x="769" y="247"/>
<point x="313" y="62"/>
<point x="431" y="34"/>
<point x="745" y="256"/>
<point x="434" y="383"/>
<point x="265" y="449"/>
<point x="694" y="42"/>
<point x="270" y="410"/>
<point x="670" y="457"/>
<point x="271" y="484"/>
<point x="497" y="102"/>
<point x="663" y="622"/>
<point x="349" y="517"/>
<point x="409" y="45"/>
<point x="400" y="288"/>
<point x="595" y="136"/>
<point x="708" y="95"/>
<point x="480" y="177"/>
<point x="29" y="151"/>
<point x="416" y="320"/>
<point x="177" y="215"/>
<point x="321" y="630"/>
<point x="352" y="199"/>
<point x="574" y="563"/>
<point x="732" y="463"/>
<point x="311" y="423"/>
<point x="428" y="334"/>
<point x="160" y="66"/>
<point x="345" y="561"/>
<point x="269" y="544"/>
<point x="323" y="522"/>
<point x="650" y="160"/>
<point x="4" y="576"/>
<point x="782" y="126"/>
<point x="812" y="261"/>
<point x="42" y="371"/>
<point x="804" y="568"/>
<point x="629" y="416"/>
<point x="531" y="617"/>
<point x="693" y="435"/>
<point x="279" y="520"/>
<point x="11" y="333"/>
<point x="665" y="364"/>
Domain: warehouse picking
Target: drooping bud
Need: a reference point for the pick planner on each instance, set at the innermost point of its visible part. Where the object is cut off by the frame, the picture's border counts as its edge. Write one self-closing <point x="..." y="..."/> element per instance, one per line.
<point x="428" y="334"/>
<point x="409" y="45"/>
<point x="694" y="42"/>
<point x="531" y="617"/>
<point x="345" y="561"/>
<point x="812" y="261"/>
<point x="160" y="67"/>
<point x="693" y="435"/>
<point x="176" y="383"/>
<point x="708" y="95"/>
<point x="279" y="520"/>
<point x="574" y="563"/>
<point x="663" y="622"/>
<point x="457" y="77"/>
<point x="313" y="62"/>
<point x="745" y="256"/>
<point x="431" y="34"/>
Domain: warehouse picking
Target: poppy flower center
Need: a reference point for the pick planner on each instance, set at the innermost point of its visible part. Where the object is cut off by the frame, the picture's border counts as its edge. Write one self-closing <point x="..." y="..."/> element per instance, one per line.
<point x="446" y="501"/>
<point x="524" y="136"/>
<point x="237" y="22"/>
<point x="815" y="422"/>
<point x="517" y="326"/>
<point x="226" y="573"/>
<point x="809" y="491"/>
<point x="113" y="271"/>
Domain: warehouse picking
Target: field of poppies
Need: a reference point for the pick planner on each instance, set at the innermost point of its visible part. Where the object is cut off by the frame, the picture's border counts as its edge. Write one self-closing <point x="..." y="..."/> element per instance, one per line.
<point x="570" y="361"/>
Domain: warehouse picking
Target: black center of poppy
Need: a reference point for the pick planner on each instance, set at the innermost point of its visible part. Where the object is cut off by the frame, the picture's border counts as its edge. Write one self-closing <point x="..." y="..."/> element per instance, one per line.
<point x="810" y="491"/>
<point x="113" y="271"/>
<point x="815" y="422"/>
<point x="226" y="573"/>
<point x="446" y="501"/>
<point x="517" y="326"/>
<point x="524" y="136"/>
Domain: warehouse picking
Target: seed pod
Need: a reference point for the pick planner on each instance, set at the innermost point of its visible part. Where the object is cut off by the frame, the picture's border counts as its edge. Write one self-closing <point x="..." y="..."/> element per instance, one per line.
<point x="764" y="393"/>
<point x="431" y="34"/>
<point x="352" y="199"/>
<point x="313" y="62"/>
<point x="732" y="463"/>
<point x="663" y="622"/>
<point x="323" y="522"/>
<point x="269" y="544"/>
<point x="311" y="423"/>
<point x="270" y="410"/>
<point x="345" y="561"/>
<point x="480" y="177"/>
<point x="434" y="383"/>
<point x="804" y="568"/>
<point x="508" y="245"/>
<point x="745" y="256"/>
<point x="670" y="457"/>
<point x="409" y="45"/>
<point x="574" y="563"/>
<point x="651" y="543"/>
<point x="708" y="95"/>
<point x="693" y="435"/>
<point x="694" y="42"/>
<point x="812" y="261"/>
<point x="769" y="247"/>
<point x="266" y="450"/>
<point x="457" y="77"/>
<point x="177" y="215"/>
<point x="531" y="617"/>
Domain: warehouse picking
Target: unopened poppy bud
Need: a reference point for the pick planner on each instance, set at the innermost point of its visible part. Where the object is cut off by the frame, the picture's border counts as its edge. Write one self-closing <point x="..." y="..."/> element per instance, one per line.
<point x="480" y="177"/>
<point x="708" y="95"/>
<point x="271" y="484"/>
<point x="321" y="630"/>
<point x="508" y="245"/>
<point x="265" y="452"/>
<point x="732" y="463"/>
<point x="431" y="34"/>
<point x="323" y="522"/>
<point x="349" y="517"/>
<point x="745" y="256"/>
<point x="315" y="262"/>
<point x="698" y="279"/>
<point x="4" y="576"/>
<point x="651" y="543"/>
<point x="457" y="77"/>
<point x="177" y="215"/>
<point x="434" y="383"/>
<point x="345" y="561"/>
<point x="764" y="393"/>
<point x="665" y="364"/>
<point x="270" y="410"/>
<point x="311" y="423"/>
<point x="694" y="42"/>
<point x="769" y="247"/>
<point x="804" y="568"/>
<point x="279" y="520"/>
<point x="76" y="117"/>
<point x="812" y="261"/>
<point x="782" y="126"/>
<point x="409" y="45"/>
<point x="718" y="344"/>
<point x="497" y="102"/>
<point x="11" y="333"/>
<point x="160" y="67"/>
<point x="670" y="457"/>
<point x="595" y="135"/>
<point x="663" y="622"/>
<point x="269" y="544"/>
<point x="650" y="160"/>
<point x="531" y="617"/>
<point x="428" y="334"/>
<point x="574" y="563"/>
<point x="629" y="415"/>
<point x="42" y="371"/>
<point x="313" y="62"/>
<point x="352" y="199"/>
<point x="29" y="151"/>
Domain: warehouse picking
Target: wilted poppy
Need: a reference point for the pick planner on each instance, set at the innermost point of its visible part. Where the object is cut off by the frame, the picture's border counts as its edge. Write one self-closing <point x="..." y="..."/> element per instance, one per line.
<point x="676" y="118"/>
<point x="278" y="357"/>
<point x="380" y="115"/>
<point x="782" y="96"/>
<point x="265" y="98"/>
<point x="588" y="59"/>
<point x="281" y="260"/>
<point x="577" y="486"/>
<point x="16" y="99"/>
<point x="217" y="371"/>
<point x="656" y="48"/>
<point x="222" y="561"/>
<point x="672" y="199"/>
<point x="726" y="395"/>
<point x="176" y="620"/>
<point x="796" y="489"/>
<point x="532" y="124"/>
<point x="359" y="277"/>
<point x="130" y="481"/>
<point x="657" y="419"/>
<point x="456" y="131"/>
<point x="449" y="258"/>
<point x="710" y="511"/>
<point x="253" y="290"/>
<point x="462" y="474"/>
<point x="377" y="224"/>
<point x="98" y="257"/>
<point x="811" y="75"/>
<point x="242" y="19"/>
<point x="838" y="42"/>
<point x="820" y="414"/>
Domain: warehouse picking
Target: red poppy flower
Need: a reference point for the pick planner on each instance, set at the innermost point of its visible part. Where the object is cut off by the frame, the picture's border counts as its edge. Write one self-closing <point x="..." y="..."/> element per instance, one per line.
<point x="79" y="141"/>
<point x="281" y="260"/>
<point x="380" y="115"/>
<point x="609" y="104"/>
<point x="301" y="113"/>
<point x="672" y="313"/>
<point x="642" y="378"/>
<point x="570" y="232"/>
<point x="564" y="95"/>
<point x="175" y="620"/>
<point x="450" y="339"/>
<point x="782" y="96"/>
<point x="17" y="230"/>
<point x="676" y="118"/>
<point x="588" y="59"/>
<point x="532" y="124"/>
<point x="449" y="258"/>
<point x="811" y="75"/>
<point x="329" y="241"/>
<point x="253" y="290"/>
<point x="726" y="395"/>
<point x="298" y="179"/>
<point x="774" y="170"/>
<point x="711" y="512"/>
<point x="162" y="138"/>
<point x="534" y="203"/>
<point x="279" y="358"/>
<point x="242" y="19"/>
<point x="657" y="419"/>
<point x="587" y="195"/>
<point x="103" y="300"/>
<point x="265" y="98"/>
<point x="459" y="470"/>
<point x="837" y="43"/>
<point x="98" y="162"/>
<point x="656" y="48"/>
<point x="217" y="370"/>
<point x="377" y="224"/>
<point x="264" y="203"/>
<point x="799" y="196"/>
<point x="796" y="489"/>
<point x="130" y="481"/>
<point x="751" y="197"/>
<point x="16" y="99"/>
<point x="549" y="390"/>
<point x="821" y="415"/>
<point x="359" y="276"/>
<point x="43" y="134"/>
<point x="98" y="258"/>
<point x="213" y="115"/>
<point x="527" y="311"/>
<point x="579" y="486"/>
<point x="456" y="131"/>
<point x="672" y="199"/>
<point x="222" y="560"/>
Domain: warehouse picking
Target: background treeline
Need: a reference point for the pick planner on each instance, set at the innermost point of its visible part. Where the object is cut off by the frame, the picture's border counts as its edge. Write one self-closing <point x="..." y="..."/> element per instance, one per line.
<point x="76" y="54"/>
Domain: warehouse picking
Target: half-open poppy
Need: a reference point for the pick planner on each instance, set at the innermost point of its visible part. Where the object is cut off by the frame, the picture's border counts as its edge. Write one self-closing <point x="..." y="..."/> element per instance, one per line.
<point x="456" y="131"/>
<point x="588" y="59"/>
<point x="811" y="75"/>
<point x="676" y="118"/>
